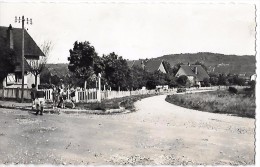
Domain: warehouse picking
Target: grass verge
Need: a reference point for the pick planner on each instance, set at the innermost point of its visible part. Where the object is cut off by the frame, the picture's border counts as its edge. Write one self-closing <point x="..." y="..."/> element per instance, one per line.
<point x="217" y="102"/>
<point x="125" y="102"/>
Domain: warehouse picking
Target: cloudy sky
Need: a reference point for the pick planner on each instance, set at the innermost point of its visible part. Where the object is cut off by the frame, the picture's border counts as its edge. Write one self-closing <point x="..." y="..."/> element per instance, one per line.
<point x="138" y="30"/>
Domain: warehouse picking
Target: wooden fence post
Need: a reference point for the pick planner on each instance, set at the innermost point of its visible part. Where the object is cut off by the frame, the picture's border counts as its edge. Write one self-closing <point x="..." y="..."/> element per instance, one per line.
<point x="3" y="93"/>
<point x="17" y="94"/>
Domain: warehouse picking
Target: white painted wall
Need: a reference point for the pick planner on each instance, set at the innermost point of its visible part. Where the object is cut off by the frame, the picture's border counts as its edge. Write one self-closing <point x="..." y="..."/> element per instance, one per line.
<point x="162" y="69"/>
<point x="28" y="81"/>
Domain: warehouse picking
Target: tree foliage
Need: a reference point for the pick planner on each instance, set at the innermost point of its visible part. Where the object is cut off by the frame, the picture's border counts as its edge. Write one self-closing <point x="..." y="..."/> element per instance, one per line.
<point x="7" y="63"/>
<point x="84" y="62"/>
<point x="138" y="77"/>
<point x="116" y="71"/>
<point x="182" y="80"/>
<point x="38" y="67"/>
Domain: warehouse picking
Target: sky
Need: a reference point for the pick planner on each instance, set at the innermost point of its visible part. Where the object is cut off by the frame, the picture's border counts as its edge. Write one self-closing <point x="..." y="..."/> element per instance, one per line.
<point x="138" y="30"/>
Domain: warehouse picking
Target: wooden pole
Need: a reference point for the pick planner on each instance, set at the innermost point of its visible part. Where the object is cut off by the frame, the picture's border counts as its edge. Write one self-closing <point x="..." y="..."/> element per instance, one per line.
<point x="22" y="59"/>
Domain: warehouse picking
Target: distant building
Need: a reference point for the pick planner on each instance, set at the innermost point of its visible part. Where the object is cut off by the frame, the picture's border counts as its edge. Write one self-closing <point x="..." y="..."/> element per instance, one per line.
<point x="151" y="65"/>
<point x="12" y="38"/>
<point x="195" y="73"/>
<point x="253" y="77"/>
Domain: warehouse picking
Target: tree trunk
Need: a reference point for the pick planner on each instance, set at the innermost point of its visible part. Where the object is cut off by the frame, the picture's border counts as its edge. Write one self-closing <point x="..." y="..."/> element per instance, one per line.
<point x="36" y="75"/>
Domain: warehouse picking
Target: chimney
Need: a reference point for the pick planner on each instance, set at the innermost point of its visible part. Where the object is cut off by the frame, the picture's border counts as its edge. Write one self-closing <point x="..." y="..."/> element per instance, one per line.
<point x="142" y="64"/>
<point x="196" y="70"/>
<point x="188" y="63"/>
<point x="10" y="37"/>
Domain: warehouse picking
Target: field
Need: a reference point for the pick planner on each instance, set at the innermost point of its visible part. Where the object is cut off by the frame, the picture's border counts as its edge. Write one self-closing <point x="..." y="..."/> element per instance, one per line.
<point x="239" y="104"/>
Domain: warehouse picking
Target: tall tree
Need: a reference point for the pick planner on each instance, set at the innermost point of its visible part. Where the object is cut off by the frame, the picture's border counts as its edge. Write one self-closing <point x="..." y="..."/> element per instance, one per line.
<point x="116" y="72"/>
<point x="84" y="61"/>
<point x="38" y="66"/>
<point x="182" y="80"/>
<point x="138" y="77"/>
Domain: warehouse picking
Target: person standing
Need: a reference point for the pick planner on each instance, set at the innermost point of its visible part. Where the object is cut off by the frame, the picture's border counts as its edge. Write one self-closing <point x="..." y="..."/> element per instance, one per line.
<point x="40" y="102"/>
<point x="33" y="95"/>
<point x="55" y="96"/>
<point x="61" y="97"/>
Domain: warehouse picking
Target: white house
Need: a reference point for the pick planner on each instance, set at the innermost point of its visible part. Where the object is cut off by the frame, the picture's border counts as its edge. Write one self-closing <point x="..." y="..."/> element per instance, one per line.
<point x="195" y="73"/>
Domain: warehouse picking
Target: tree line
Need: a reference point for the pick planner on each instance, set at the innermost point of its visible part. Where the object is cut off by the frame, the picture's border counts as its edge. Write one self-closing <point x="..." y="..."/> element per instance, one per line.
<point x="85" y="64"/>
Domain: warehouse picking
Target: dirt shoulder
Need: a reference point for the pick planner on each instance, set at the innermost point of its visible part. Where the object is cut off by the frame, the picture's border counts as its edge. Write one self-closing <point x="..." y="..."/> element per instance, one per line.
<point x="158" y="133"/>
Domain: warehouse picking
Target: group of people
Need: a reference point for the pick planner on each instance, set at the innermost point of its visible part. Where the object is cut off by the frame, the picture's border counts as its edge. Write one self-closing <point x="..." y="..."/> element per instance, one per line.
<point x="59" y="97"/>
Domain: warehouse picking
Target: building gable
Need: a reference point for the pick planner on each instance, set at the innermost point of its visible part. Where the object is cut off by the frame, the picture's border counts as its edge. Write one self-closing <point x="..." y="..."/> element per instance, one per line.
<point x="149" y="65"/>
<point x="12" y="37"/>
<point x="196" y="71"/>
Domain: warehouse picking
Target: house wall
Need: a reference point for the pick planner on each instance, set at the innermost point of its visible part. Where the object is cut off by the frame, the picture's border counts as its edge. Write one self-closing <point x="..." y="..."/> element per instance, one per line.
<point x="161" y="68"/>
<point x="191" y="79"/>
<point x="29" y="79"/>
<point x="180" y="72"/>
<point x="253" y="77"/>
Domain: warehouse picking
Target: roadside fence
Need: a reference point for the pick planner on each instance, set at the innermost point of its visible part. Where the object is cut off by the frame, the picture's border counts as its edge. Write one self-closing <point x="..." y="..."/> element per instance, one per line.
<point x="91" y="95"/>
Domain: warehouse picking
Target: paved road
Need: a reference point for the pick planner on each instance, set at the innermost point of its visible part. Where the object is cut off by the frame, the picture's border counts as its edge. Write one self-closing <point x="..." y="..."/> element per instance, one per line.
<point x="157" y="133"/>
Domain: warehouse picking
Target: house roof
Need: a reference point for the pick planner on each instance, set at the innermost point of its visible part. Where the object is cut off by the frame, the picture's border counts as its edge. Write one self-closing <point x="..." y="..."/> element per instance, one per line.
<point x="132" y="63"/>
<point x="31" y="49"/>
<point x="189" y="71"/>
<point x="150" y="65"/>
<point x="18" y="67"/>
<point x="58" y="69"/>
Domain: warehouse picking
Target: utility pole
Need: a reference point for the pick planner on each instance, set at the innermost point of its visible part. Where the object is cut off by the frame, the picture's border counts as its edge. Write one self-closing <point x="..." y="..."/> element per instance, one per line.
<point x="27" y="21"/>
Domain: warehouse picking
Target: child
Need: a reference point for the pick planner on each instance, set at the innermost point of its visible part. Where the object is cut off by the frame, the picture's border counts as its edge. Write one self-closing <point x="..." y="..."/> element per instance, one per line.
<point x="39" y="101"/>
<point x="55" y="96"/>
<point x="62" y="97"/>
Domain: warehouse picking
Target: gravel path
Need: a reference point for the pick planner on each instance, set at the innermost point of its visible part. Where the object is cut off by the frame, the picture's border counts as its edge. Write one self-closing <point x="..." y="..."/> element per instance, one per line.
<point x="158" y="133"/>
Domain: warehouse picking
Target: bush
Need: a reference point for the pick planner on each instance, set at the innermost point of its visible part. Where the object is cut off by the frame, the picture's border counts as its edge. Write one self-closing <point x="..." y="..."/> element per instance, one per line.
<point x="126" y="102"/>
<point x="232" y="90"/>
<point x="44" y="86"/>
<point x="206" y="82"/>
<point x="179" y="90"/>
<point x="151" y="84"/>
<point x="182" y="80"/>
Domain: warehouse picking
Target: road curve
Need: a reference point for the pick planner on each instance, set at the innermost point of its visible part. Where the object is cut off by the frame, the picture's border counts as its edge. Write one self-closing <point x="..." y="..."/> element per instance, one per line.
<point x="158" y="133"/>
<point x="206" y="137"/>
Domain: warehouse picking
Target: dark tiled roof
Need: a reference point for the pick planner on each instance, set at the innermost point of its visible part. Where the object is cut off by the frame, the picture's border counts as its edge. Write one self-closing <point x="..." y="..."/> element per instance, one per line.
<point x="30" y="47"/>
<point x="137" y="63"/>
<point x="152" y="65"/>
<point x="18" y="67"/>
<point x="130" y="63"/>
<point x="59" y="70"/>
<point x="189" y="71"/>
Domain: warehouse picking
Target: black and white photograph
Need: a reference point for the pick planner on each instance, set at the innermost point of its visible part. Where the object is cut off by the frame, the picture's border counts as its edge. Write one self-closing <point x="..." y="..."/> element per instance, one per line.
<point x="123" y="82"/>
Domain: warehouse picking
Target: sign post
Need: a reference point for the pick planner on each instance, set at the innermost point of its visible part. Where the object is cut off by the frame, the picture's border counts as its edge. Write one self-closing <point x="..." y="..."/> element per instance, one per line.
<point x="99" y="88"/>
